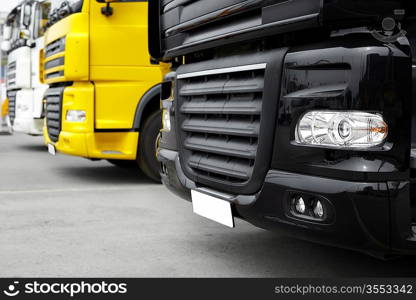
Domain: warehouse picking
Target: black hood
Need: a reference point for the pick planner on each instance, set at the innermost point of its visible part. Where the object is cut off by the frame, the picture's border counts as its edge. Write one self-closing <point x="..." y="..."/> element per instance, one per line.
<point x="178" y="27"/>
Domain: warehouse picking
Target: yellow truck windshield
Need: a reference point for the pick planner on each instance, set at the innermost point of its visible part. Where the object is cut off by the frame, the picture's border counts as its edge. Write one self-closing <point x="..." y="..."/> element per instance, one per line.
<point x="63" y="8"/>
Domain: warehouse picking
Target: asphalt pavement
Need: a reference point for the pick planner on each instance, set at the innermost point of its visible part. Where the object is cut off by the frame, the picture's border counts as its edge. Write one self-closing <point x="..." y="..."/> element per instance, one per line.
<point x="70" y="217"/>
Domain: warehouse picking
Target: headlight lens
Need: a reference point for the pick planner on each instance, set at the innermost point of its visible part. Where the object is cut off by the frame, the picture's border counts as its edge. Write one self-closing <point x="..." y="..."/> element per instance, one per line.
<point x="76" y="116"/>
<point x="341" y="129"/>
<point x="167" y="98"/>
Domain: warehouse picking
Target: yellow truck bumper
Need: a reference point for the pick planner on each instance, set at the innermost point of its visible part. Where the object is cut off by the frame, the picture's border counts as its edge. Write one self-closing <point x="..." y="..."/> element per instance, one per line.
<point x="81" y="138"/>
<point x="99" y="145"/>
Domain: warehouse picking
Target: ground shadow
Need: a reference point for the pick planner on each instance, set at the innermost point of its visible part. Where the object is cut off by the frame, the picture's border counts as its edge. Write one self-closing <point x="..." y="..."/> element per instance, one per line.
<point x="33" y="148"/>
<point x="106" y="174"/>
<point x="274" y="255"/>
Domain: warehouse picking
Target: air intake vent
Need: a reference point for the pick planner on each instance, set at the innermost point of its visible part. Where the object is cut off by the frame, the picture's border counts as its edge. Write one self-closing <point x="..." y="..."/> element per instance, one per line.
<point x="55" y="47"/>
<point x="11" y="74"/>
<point x="11" y="95"/>
<point x="53" y="97"/>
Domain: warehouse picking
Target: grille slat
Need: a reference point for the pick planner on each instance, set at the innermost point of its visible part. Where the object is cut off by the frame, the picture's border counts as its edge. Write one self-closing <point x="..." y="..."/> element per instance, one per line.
<point x="221" y="86"/>
<point x="54" y="124"/>
<point x="222" y="127"/>
<point x="236" y="104"/>
<point x="54" y="108"/>
<point x="219" y="119"/>
<point x="221" y="165"/>
<point x="53" y="97"/>
<point x="217" y="145"/>
<point x="11" y="95"/>
<point x="55" y="47"/>
<point x="52" y="115"/>
<point x="60" y="61"/>
<point x="11" y="74"/>
<point x="54" y="75"/>
<point x="12" y="66"/>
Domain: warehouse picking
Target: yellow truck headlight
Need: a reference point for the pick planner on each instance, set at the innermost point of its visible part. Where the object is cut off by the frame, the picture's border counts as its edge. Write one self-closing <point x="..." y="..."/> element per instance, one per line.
<point x="76" y="116"/>
<point x="341" y="129"/>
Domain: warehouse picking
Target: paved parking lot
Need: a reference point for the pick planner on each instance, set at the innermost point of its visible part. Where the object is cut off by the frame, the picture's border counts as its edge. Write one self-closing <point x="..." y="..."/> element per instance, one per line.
<point x="67" y="216"/>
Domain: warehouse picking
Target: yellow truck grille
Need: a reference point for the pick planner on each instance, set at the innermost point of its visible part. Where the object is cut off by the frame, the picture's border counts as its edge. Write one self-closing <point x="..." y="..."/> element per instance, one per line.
<point x="54" y="63"/>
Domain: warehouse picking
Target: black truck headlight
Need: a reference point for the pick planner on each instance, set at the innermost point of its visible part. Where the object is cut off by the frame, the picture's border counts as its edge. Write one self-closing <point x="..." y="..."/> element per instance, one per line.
<point x="341" y="129"/>
<point x="166" y="126"/>
<point x="166" y="103"/>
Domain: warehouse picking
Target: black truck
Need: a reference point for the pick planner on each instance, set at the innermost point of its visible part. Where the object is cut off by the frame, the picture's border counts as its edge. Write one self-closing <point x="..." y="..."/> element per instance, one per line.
<point x="294" y="115"/>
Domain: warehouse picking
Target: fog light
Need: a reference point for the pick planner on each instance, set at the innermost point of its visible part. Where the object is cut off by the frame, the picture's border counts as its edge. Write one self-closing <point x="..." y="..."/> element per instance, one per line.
<point x="76" y="116"/>
<point x="318" y="210"/>
<point x="300" y="205"/>
<point x="342" y="130"/>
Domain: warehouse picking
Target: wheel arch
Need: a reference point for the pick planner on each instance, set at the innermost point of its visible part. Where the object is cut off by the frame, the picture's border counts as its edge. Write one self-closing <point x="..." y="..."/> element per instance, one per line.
<point x="149" y="103"/>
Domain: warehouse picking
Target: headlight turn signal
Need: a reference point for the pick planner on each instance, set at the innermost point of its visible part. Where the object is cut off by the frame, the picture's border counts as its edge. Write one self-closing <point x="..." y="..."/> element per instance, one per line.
<point x="76" y="116"/>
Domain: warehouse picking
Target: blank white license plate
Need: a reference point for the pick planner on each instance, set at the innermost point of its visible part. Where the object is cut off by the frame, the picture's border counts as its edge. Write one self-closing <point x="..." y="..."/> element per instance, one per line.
<point x="213" y="208"/>
<point x="51" y="149"/>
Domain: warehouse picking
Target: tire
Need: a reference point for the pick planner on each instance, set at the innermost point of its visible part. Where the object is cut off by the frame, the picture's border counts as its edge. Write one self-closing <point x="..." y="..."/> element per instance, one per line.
<point x="146" y="155"/>
<point x="125" y="164"/>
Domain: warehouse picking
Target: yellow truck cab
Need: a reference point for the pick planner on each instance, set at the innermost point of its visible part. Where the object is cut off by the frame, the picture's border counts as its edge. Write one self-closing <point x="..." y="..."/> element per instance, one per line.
<point x="103" y="100"/>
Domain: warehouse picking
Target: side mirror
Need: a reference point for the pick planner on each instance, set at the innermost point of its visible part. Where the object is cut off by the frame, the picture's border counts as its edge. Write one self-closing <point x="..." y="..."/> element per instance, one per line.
<point x="5" y="46"/>
<point x="27" y="13"/>
<point x="7" y="33"/>
<point x="108" y="10"/>
<point x="108" y="1"/>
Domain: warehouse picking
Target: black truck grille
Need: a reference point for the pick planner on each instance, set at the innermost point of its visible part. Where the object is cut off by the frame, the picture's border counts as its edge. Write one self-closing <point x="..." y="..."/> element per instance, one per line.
<point x="53" y="98"/>
<point x="220" y="113"/>
<point x="225" y="114"/>
<point x="11" y="95"/>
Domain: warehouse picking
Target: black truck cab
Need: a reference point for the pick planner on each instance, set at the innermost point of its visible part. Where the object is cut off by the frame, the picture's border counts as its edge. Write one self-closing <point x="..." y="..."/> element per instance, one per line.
<point x="297" y="114"/>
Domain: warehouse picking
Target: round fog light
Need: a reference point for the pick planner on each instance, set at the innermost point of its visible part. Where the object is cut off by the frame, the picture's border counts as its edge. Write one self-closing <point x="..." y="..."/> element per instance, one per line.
<point x="300" y="205"/>
<point x="318" y="210"/>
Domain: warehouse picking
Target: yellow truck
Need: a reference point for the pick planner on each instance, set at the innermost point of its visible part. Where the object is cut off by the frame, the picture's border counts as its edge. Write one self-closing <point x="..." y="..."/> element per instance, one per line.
<point x="104" y="89"/>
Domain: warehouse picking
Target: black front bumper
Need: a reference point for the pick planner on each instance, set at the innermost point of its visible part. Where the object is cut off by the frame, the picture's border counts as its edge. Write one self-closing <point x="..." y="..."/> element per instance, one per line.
<point x="368" y="194"/>
<point x="368" y="217"/>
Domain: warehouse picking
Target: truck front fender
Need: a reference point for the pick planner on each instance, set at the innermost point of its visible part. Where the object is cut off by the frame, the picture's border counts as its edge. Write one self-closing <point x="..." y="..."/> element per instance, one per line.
<point x="148" y="103"/>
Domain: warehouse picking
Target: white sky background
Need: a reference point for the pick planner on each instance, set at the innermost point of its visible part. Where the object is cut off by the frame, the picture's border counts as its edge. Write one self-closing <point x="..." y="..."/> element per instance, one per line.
<point x="7" y="5"/>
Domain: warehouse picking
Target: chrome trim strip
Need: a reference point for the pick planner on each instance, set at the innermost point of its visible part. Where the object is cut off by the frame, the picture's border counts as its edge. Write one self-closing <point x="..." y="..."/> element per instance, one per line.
<point x="223" y="71"/>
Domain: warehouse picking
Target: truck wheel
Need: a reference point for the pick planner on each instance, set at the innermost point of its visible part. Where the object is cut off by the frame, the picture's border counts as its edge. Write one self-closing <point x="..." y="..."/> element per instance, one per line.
<point x="122" y="163"/>
<point x="146" y="156"/>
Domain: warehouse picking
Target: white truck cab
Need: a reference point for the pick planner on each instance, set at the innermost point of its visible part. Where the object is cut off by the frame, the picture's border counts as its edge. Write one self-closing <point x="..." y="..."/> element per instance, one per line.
<point x="23" y="41"/>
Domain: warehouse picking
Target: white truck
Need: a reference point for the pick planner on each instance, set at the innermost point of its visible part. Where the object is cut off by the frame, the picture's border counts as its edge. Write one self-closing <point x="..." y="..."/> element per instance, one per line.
<point x="23" y="42"/>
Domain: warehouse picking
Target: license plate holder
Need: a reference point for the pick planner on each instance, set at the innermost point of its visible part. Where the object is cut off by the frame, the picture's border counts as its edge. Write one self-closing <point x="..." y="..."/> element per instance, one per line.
<point x="51" y="149"/>
<point x="213" y="208"/>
